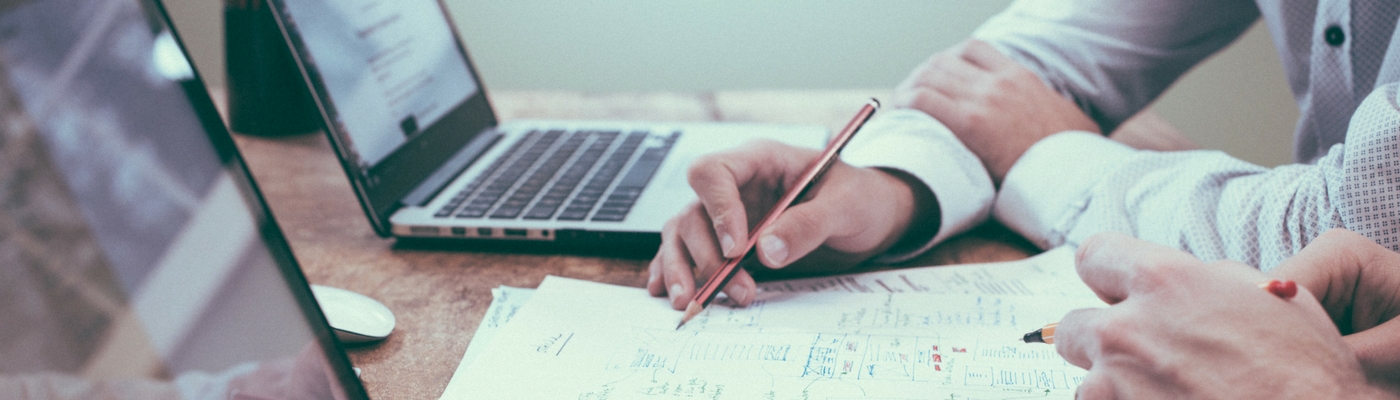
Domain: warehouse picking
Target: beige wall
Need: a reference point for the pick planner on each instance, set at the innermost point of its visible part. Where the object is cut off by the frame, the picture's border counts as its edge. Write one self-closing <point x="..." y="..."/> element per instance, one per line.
<point x="1237" y="101"/>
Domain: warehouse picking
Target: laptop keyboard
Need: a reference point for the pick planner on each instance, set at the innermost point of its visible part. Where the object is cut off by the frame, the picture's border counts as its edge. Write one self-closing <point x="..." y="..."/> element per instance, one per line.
<point x="538" y="178"/>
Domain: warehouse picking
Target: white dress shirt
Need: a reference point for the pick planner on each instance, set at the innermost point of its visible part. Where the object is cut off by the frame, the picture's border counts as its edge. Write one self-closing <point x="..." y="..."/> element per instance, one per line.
<point x="1112" y="58"/>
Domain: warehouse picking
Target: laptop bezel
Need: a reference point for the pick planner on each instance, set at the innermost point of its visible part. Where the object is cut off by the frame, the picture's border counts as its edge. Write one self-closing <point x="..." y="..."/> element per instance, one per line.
<point x="382" y="189"/>
<point x="268" y="230"/>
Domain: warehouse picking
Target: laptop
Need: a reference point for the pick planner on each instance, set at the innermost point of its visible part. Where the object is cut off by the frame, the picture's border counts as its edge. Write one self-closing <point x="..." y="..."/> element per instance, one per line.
<point x="137" y="259"/>
<point x="410" y="120"/>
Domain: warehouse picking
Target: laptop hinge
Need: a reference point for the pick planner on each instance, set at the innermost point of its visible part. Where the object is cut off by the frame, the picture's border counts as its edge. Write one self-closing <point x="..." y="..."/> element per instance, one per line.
<point x="444" y="175"/>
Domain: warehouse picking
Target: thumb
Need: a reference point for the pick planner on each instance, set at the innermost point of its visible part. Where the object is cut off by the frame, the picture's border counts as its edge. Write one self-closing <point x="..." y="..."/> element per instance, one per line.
<point x="794" y="234"/>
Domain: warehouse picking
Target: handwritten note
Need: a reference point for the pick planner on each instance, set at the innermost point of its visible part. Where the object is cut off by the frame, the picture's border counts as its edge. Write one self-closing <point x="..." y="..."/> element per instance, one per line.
<point x="505" y="302"/>
<point x="577" y="339"/>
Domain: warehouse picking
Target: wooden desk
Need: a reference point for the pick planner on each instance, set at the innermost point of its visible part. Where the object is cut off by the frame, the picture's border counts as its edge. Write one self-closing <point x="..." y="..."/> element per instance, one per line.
<point x="439" y="296"/>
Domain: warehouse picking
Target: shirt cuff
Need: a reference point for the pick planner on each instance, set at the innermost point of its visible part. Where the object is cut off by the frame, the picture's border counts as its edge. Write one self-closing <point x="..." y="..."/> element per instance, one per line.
<point x="1049" y="185"/>
<point x="915" y="143"/>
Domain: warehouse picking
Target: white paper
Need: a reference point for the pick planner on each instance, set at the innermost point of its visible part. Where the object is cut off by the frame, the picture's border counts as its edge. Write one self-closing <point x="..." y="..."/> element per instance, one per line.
<point x="506" y="301"/>
<point x="1048" y="274"/>
<point x="584" y="340"/>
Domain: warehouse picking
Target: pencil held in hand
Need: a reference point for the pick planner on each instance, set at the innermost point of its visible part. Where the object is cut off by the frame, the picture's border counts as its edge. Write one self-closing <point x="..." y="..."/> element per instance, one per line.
<point x="814" y="172"/>
<point x="1043" y="335"/>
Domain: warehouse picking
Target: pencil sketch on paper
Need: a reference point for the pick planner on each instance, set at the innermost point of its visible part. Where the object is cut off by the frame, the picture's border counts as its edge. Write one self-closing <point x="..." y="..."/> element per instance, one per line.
<point x="785" y="346"/>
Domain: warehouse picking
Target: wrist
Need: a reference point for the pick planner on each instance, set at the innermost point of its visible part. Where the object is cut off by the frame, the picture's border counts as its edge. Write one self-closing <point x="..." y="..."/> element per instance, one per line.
<point x="917" y="217"/>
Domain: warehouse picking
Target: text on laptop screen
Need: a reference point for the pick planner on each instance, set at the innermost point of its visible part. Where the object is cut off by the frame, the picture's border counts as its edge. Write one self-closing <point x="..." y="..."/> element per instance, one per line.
<point x="390" y="66"/>
<point x="128" y="254"/>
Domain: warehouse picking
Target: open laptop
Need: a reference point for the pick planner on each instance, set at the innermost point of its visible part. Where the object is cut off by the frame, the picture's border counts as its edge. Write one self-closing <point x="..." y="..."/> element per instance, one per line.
<point x="137" y="259"/>
<point x="425" y="153"/>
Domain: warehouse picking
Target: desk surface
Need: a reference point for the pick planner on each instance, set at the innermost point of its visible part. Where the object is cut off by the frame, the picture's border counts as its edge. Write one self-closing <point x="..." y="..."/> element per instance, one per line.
<point x="439" y="297"/>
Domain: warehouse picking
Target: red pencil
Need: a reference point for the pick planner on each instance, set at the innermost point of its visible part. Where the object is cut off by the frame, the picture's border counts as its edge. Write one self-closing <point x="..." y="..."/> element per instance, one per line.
<point x="814" y="172"/>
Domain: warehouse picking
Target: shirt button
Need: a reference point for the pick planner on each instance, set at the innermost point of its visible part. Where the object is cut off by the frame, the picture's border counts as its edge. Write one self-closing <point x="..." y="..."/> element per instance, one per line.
<point x="1334" y="36"/>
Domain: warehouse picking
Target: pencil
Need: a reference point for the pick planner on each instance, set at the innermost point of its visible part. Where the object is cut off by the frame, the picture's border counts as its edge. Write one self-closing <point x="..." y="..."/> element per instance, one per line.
<point x="1284" y="289"/>
<point x="814" y="172"/>
<point x="1043" y="335"/>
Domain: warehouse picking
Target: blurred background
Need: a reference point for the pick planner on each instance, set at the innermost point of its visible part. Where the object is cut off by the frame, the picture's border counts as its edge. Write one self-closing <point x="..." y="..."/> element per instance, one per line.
<point x="1238" y="101"/>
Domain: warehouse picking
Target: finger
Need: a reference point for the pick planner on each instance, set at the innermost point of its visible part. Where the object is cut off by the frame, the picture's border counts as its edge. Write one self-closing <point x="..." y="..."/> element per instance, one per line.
<point x="936" y="104"/>
<point x="716" y="180"/>
<point x="698" y="237"/>
<point x="1376" y="350"/>
<point x="699" y="241"/>
<point x="1332" y="267"/>
<point x="1096" y="385"/>
<point x="676" y="270"/>
<point x="985" y="56"/>
<point x="1114" y="264"/>
<point x="742" y="288"/>
<point x="953" y="76"/>
<point x="796" y="233"/>
<point x="1076" y="339"/>
<point x="654" y="284"/>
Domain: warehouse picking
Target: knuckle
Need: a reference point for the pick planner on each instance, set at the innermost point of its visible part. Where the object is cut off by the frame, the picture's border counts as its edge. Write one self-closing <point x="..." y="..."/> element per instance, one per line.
<point x="965" y="47"/>
<point x="1339" y="235"/>
<point x="1154" y="274"/>
<point x="668" y="231"/>
<point x="924" y="100"/>
<point x="703" y="167"/>
<point x="1005" y="83"/>
<point x="974" y="118"/>
<point x="804" y="223"/>
<point x="941" y="61"/>
<point x="1118" y="335"/>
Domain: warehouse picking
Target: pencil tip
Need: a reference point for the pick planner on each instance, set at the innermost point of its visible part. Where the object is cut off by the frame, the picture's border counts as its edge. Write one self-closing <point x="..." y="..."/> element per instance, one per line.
<point x="690" y="312"/>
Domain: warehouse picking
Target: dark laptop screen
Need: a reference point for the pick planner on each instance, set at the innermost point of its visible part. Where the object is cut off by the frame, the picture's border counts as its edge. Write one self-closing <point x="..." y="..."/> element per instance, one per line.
<point x="394" y="86"/>
<point x="391" y="68"/>
<point x="135" y="259"/>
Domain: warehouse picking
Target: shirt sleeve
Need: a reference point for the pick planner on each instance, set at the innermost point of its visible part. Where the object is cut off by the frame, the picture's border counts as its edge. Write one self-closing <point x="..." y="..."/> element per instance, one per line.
<point x="1114" y="57"/>
<point x="1073" y="185"/>
<point x="915" y="143"/>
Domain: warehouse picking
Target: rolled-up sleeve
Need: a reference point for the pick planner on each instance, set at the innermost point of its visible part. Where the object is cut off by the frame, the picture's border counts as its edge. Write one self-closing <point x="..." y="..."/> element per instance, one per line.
<point x="914" y="143"/>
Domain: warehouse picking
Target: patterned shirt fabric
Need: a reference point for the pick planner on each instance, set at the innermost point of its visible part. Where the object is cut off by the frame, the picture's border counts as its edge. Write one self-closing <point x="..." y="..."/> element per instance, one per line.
<point x="1113" y="58"/>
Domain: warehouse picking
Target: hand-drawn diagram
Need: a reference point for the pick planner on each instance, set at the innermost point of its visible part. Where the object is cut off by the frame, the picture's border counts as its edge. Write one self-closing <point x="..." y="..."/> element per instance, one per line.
<point x="784" y="346"/>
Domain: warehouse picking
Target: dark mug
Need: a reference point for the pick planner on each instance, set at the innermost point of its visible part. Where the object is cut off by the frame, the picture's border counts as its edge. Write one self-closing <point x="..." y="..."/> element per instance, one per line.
<point x="266" y="93"/>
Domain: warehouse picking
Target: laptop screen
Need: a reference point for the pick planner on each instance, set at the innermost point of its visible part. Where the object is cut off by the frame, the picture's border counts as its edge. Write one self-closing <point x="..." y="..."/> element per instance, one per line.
<point x="395" y="87"/>
<point x="136" y="259"/>
<point x="391" y="68"/>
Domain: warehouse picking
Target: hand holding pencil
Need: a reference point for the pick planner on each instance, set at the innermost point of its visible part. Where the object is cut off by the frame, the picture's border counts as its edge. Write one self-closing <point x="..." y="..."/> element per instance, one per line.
<point x="805" y="184"/>
<point x="1181" y="328"/>
<point x="854" y="214"/>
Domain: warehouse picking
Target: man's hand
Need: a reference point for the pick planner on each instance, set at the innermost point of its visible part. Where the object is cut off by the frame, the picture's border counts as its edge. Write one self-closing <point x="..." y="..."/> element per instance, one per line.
<point x="1179" y="328"/>
<point x="1358" y="283"/>
<point x="852" y="214"/>
<point x="994" y="105"/>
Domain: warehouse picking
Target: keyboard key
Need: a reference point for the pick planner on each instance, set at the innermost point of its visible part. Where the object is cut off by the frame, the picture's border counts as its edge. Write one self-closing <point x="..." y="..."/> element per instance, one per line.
<point x="573" y="214"/>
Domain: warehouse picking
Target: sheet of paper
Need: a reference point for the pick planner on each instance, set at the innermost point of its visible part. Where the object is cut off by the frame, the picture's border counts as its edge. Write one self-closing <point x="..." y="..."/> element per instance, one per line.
<point x="585" y="340"/>
<point x="1047" y="274"/>
<point x="506" y="302"/>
